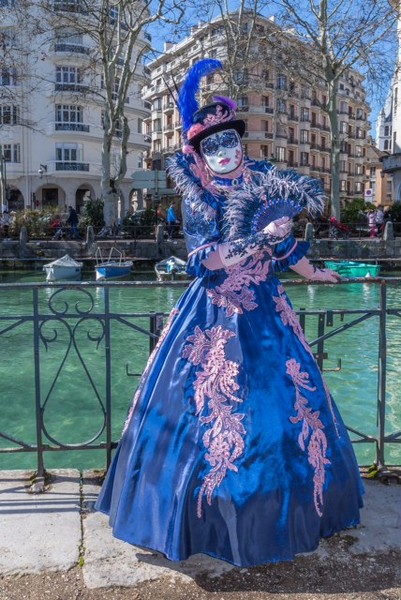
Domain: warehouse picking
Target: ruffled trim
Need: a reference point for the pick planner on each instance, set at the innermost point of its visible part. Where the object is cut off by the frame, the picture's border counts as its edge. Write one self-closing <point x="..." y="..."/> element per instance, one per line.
<point x="195" y="268"/>
<point x="183" y="170"/>
<point x="288" y="253"/>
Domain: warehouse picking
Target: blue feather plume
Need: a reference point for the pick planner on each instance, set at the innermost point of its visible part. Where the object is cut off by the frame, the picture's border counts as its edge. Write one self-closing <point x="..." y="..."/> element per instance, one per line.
<point x="187" y="101"/>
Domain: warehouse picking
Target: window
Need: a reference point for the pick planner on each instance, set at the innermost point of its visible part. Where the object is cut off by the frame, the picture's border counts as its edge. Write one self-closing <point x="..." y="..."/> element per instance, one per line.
<point x="387" y="131"/>
<point x="358" y="151"/>
<point x="358" y="187"/>
<point x="343" y="185"/>
<point x="343" y="127"/>
<point x="281" y="82"/>
<point x="241" y="77"/>
<point x="157" y="125"/>
<point x="68" y="152"/>
<point x="140" y="126"/>
<point x="9" y="115"/>
<point x="69" y="36"/>
<point x="305" y="114"/>
<point x="304" y="136"/>
<point x="280" y="154"/>
<point x="264" y="152"/>
<point x="68" y="5"/>
<point x="8" y="76"/>
<point x="359" y="169"/>
<point x="323" y="142"/>
<point x="68" y="75"/>
<point x="304" y="159"/>
<point x="11" y="152"/>
<point x="243" y="103"/>
<point x="157" y="104"/>
<point x="68" y="113"/>
<point x="281" y="106"/>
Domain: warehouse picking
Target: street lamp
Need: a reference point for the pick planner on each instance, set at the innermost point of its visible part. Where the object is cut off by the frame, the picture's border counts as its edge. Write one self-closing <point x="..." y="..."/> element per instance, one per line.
<point x="42" y="169"/>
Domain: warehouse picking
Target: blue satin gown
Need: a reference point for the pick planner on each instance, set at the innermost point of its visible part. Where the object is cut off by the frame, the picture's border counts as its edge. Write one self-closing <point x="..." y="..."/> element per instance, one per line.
<point x="233" y="446"/>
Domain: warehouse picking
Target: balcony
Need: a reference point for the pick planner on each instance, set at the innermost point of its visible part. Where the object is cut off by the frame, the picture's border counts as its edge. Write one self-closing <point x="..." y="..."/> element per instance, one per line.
<point x="71" y="87"/>
<point x="168" y="106"/>
<point x="293" y="141"/>
<point x="71" y="166"/>
<point x="72" y="127"/>
<point x="75" y="48"/>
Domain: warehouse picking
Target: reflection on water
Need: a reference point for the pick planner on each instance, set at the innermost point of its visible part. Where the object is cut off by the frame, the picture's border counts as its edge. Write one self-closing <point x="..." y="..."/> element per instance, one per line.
<point x="72" y="384"/>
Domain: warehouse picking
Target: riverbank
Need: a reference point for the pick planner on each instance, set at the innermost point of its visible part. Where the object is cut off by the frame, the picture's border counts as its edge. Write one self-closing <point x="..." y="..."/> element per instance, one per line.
<point x="54" y="546"/>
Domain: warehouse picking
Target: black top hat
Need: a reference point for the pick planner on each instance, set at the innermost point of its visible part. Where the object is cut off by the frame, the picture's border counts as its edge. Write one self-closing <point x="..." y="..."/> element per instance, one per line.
<point x="212" y="118"/>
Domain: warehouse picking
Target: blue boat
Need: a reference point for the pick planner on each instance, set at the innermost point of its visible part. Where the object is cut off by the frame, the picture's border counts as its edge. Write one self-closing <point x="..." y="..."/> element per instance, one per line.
<point x="114" y="267"/>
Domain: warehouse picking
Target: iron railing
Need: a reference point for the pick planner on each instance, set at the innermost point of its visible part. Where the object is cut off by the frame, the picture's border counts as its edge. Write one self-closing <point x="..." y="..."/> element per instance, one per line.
<point x="72" y="307"/>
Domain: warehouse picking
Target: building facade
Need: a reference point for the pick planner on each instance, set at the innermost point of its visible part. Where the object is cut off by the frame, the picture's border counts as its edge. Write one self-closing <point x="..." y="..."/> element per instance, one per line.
<point x="51" y="112"/>
<point x="284" y="119"/>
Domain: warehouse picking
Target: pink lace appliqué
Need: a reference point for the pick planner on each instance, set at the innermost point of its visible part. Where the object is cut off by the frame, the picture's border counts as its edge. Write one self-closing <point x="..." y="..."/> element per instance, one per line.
<point x="215" y="385"/>
<point x="149" y="363"/>
<point x="312" y="427"/>
<point x="234" y="294"/>
<point x="289" y="317"/>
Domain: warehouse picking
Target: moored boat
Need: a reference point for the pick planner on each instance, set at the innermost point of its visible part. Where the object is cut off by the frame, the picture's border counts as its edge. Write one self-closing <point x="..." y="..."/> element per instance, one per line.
<point x="114" y="267"/>
<point x="349" y="268"/>
<point x="63" y="268"/>
<point x="171" y="269"/>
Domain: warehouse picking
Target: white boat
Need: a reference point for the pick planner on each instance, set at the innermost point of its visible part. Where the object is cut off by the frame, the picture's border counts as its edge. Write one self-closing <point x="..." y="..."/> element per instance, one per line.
<point x="171" y="269"/>
<point x="113" y="267"/>
<point x="63" y="268"/>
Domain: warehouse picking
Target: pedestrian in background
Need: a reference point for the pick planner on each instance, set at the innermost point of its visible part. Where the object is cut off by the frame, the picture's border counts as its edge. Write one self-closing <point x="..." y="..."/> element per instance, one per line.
<point x="171" y="221"/>
<point x="73" y="221"/>
<point x="372" y="223"/>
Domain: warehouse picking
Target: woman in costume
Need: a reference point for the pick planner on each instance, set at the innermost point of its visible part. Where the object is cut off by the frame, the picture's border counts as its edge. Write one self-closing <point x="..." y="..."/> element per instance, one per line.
<point x="233" y="446"/>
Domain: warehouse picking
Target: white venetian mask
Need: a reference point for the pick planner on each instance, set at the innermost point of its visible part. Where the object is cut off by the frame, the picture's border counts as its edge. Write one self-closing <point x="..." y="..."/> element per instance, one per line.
<point x="222" y="151"/>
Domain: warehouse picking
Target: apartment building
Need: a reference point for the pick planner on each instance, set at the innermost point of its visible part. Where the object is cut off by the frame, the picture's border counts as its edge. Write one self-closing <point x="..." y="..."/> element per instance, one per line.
<point x="51" y="111"/>
<point x="284" y="121"/>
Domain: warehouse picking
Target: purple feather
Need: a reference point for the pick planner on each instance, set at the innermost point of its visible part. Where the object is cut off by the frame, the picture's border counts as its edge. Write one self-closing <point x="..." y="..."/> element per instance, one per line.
<point x="229" y="101"/>
<point x="187" y="101"/>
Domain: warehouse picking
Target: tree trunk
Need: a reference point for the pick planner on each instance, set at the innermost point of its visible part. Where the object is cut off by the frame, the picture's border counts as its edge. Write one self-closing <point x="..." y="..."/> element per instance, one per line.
<point x="334" y="208"/>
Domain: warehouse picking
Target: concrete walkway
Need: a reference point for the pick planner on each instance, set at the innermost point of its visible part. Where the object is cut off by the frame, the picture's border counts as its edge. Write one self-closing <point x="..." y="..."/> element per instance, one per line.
<point x="58" y="529"/>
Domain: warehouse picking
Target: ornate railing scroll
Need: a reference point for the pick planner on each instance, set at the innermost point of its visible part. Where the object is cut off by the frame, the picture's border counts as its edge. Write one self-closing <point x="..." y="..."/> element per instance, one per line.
<point x="71" y="332"/>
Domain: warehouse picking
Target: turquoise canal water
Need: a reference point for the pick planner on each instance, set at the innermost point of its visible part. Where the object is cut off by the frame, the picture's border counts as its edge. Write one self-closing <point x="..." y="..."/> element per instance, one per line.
<point x="72" y="400"/>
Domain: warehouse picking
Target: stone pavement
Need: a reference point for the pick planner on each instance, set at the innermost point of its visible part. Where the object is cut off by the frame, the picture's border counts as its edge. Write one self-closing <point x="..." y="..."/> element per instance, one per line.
<point x="58" y="529"/>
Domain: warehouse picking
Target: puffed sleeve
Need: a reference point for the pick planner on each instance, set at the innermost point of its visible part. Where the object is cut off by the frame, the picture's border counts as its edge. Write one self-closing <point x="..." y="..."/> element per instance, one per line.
<point x="288" y="253"/>
<point x="202" y="233"/>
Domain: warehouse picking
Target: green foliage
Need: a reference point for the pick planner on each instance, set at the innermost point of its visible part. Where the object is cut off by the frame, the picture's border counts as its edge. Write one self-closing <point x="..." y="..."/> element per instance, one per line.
<point x="92" y="213"/>
<point x="355" y="211"/>
<point x="37" y="222"/>
<point x="395" y="211"/>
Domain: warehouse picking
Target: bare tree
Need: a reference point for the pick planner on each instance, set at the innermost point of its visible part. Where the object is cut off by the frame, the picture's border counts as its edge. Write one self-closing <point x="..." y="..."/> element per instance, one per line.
<point x="341" y="35"/>
<point x="314" y="42"/>
<point x="117" y="29"/>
